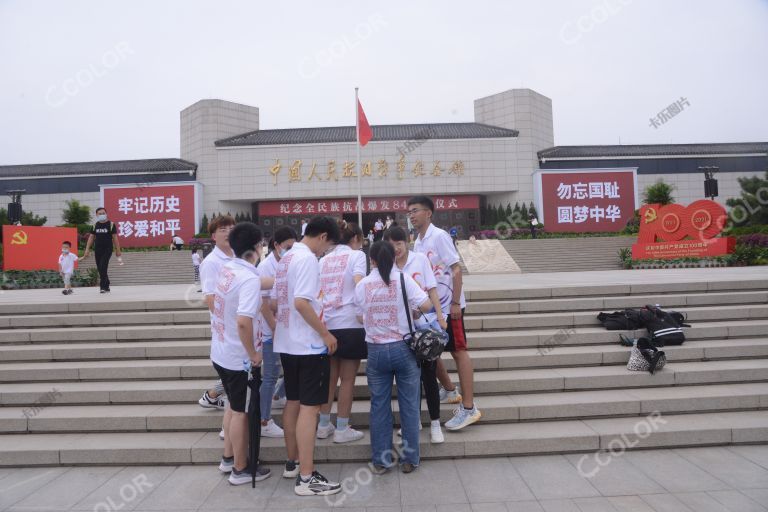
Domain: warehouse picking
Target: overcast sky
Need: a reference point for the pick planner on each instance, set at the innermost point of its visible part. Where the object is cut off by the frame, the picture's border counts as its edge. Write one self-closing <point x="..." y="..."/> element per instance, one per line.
<point x="102" y="80"/>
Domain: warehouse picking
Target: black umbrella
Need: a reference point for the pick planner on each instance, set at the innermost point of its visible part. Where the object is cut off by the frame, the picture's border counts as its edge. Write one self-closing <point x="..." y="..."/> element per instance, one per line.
<point x="253" y="412"/>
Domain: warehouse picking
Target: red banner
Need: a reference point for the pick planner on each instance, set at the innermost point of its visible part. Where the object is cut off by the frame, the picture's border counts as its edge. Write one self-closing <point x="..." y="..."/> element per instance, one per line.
<point x="150" y="216"/>
<point x="675" y="231"/>
<point x="373" y="204"/>
<point x="593" y="201"/>
<point x="35" y="247"/>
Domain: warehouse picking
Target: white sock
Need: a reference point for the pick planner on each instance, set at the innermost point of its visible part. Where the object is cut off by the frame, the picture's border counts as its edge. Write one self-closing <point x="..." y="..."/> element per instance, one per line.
<point x="435" y="423"/>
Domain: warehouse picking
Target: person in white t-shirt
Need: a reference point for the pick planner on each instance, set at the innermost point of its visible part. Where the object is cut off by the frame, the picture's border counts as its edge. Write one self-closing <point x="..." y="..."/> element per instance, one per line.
<point x="378" y="228"/>
<point x="236" y="346"/>
<point x="67" y="261"/>
<point x="219" y="229"/>
<point x="304" y="345"/>
<point x="418" y="267"/>
<point x="280" y="244"/>
<point x="438" y="247"/>
<point x="340" y="270"/>
<point x="382" y="309"/>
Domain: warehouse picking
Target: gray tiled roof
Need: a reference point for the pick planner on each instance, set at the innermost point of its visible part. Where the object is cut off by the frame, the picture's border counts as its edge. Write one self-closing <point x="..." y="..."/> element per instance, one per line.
<point x="660" y="150"/>
<point x="388" y="132"/>
<point x="109" y="168"/>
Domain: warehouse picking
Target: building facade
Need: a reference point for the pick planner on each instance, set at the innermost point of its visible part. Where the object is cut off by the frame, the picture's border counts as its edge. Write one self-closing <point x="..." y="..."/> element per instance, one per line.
<point x="280" y="176"/>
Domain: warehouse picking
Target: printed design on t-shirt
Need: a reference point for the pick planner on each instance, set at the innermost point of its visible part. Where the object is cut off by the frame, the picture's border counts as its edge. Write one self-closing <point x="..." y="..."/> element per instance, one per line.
<point x="379" y="317"/>
<point x="225" y="280"/>
<point x="332" y="280"/>
<point x="377" y="291"/>
<point x="281" y="290"/>
<point x="442" y="276"/>
<point x="217" y="322"/>
<point x="421" y="282"/>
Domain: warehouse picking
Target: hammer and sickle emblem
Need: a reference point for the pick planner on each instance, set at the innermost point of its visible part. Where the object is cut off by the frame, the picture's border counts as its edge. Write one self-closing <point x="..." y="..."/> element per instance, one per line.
<point x="650" y="215"/>
<point x="19" y="238"/>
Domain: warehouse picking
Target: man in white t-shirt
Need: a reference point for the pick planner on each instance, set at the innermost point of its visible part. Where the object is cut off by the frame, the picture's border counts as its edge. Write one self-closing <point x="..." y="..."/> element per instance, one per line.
<point x="304" y="344"/>
<point x="67" y="266"/>
<point x="236" y="346"/>
<point x="438" y="247"/>
<point x="219" y="229"/>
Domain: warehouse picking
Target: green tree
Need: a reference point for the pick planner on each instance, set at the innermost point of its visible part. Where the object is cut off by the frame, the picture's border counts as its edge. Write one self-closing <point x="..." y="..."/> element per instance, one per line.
<point x="204" y="223"/>
<point x="76" y="213"/>
<point x="508" y="211"/>
<point x="659" y="193"/>
<point x="501" y="214"/>
<point x="27" y="219"/>
<point x="751" y="209"/>
<point x="532" y="210"/>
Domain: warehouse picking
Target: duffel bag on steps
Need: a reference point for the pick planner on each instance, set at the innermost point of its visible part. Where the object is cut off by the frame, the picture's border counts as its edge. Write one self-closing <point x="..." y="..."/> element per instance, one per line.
<point x="665" y="327"/>
<point x="626" y="320"/>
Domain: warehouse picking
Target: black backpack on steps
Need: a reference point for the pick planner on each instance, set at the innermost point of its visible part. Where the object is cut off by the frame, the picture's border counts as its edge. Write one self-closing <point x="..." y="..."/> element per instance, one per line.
<point x="664" y="327"/>
<point x="626" y="320"/>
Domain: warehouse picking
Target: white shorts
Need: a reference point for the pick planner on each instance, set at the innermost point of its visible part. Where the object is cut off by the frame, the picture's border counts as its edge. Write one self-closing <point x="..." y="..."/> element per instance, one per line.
<point x="67" y="278"/>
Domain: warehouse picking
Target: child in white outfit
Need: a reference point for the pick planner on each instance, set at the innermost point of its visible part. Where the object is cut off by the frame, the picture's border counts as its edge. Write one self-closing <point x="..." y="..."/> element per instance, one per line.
<point x="67" y="266"/>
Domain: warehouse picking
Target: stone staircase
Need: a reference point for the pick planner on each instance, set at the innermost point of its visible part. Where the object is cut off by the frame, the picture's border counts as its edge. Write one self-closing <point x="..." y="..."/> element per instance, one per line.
<point x="568" y="254"/>
<point x="95" y="383"/>
<point x="154" y="267"/>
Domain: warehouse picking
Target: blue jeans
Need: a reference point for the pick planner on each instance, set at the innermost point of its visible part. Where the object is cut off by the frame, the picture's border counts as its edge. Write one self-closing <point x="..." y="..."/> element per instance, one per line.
<point x="270" y="371"/>
<point x="386" y="361"/>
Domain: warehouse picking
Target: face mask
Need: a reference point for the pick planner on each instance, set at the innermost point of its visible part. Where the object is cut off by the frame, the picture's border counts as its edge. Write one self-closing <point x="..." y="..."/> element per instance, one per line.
<point x="102" y="217"/>
<point x="282" y="252"/>
<point x="65" y="250"/>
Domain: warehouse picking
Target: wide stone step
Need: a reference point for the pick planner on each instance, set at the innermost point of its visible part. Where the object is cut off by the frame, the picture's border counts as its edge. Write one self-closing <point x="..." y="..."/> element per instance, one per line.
<point x="697" y="307"/>
<point x="486" y="382"/>
<point x="504" y="409"/>
<point x="614" y="303"/>
<point x="489" y="359"/>
<point x="640" y="432"/>
<point x="589" y="318"/>
<point x="196" y="316"/>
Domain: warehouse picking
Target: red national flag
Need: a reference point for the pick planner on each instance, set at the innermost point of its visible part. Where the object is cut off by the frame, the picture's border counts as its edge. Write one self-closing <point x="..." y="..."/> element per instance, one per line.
<point x="364" y="132"/>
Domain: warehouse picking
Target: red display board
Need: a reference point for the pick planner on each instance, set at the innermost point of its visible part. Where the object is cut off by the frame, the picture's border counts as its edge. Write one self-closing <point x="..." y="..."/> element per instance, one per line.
<point x="151" y="215"/>
<point x="372" y="204"/>
<point x="35" y="247"/>
<point x="676" y="231"/>
<point x="582" y="201"/>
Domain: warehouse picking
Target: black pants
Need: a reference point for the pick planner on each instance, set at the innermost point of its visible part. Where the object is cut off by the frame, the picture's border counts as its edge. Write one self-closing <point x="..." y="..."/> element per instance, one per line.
<point x="431" y="388"/>
<point x="102" y="263"/>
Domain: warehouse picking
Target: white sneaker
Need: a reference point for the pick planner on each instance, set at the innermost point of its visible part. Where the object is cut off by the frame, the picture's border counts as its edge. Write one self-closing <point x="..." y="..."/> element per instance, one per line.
<point x="325" y="432"/>
<point x="317" y="485"/>
<point x="279" y="403"/>
<point x="226" y="464"/>
<point x="271" y="429"/>
<point x="347" y="435"/>
<point x="221" y="434"/>
<point x="436" y="433"/>
<point x="450" y="397"/>
<point x="463" y="417"/>
<point x="220" y="402"/>
<point x="291" y="469"/>
<point x="400" y="430"/>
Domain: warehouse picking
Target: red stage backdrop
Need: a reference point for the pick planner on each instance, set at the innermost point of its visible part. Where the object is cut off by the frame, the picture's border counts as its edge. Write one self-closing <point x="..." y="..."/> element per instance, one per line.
<point x="676" y="231"/>
<point x="586" y="200"/>
<point x="373" y="204"/>
<point x="151" y="215"/>
<point x="35" y="247"/>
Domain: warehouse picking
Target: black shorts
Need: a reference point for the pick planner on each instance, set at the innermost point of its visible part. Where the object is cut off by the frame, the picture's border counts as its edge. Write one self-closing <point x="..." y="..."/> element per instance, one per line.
<point x="457" y="334"/>
<point x="307" y="378"/>
<point x="235" y="386"/>
<point x="351" y="343"/>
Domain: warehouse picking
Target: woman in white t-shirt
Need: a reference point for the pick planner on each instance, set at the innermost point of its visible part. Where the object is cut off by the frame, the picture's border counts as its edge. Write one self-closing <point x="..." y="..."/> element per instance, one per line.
<point x="340" y="270"/>
<point x="382" y="310"/>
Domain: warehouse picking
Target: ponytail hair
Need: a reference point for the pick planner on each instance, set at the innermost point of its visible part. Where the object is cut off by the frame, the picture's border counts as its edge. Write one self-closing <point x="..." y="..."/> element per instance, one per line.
<point x="349" y="230"/>
<point x="383" y="255"/>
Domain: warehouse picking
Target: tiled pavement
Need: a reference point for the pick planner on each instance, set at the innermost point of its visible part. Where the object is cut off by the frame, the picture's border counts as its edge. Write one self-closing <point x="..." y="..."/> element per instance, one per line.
<point x="695" y="479"/>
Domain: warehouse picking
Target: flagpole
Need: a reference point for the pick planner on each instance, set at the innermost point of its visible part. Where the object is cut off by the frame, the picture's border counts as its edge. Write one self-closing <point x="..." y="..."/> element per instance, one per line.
<point x="359" y="169"/>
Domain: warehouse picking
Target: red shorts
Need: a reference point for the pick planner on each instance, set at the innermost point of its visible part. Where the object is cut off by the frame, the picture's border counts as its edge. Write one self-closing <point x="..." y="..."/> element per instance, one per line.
<point x="457" y="335"/>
